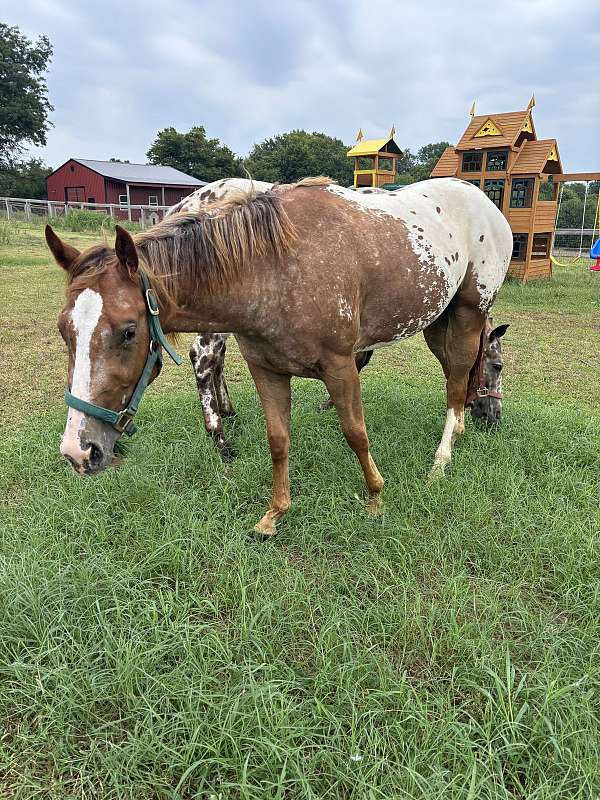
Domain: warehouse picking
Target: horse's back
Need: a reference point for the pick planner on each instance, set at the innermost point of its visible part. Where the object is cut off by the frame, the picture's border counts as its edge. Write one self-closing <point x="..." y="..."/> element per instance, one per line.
<point x="396" y="260"/>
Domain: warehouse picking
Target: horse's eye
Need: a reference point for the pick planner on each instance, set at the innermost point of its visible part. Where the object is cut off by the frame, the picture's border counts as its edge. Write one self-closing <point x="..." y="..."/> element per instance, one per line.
<point x="497" y="367"/>
<point x="128" y="335"/>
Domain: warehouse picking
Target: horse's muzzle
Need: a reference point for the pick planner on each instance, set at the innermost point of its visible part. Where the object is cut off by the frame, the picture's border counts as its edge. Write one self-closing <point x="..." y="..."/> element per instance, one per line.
<point x="88" y="444"/>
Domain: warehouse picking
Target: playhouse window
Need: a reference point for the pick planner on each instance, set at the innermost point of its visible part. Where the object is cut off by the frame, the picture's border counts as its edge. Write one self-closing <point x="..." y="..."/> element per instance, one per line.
<point x="548" y="189"/>
<point x="366" y="162"/>
<point x="471" y="162"/>
<point x="386" y="164"/>
<point x="519" y="246"/>
<point x="521" y="192"/>
<point x="540" y="247"/>
<point x="495" y="191"/>
<point x="496" y="160"/>
<point x="476" y="183"/>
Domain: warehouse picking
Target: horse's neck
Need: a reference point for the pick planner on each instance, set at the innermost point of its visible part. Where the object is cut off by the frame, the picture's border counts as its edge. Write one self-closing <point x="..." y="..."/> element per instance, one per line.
<point x="225" y="308"/>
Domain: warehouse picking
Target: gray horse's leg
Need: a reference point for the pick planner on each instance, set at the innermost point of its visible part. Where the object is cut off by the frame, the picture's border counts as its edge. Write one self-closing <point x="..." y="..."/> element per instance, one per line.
<point x="361" y="360"/>
<point x="225" y="405"/>
<point x="207" y="354"/>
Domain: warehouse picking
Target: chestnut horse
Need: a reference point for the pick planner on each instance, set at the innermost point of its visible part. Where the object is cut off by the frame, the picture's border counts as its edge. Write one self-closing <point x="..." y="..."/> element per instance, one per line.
<point x="306" y="276"/>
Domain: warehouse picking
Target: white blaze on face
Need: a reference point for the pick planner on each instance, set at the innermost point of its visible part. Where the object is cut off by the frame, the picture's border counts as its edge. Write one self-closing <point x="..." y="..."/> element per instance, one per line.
<point x="84" y="318"/>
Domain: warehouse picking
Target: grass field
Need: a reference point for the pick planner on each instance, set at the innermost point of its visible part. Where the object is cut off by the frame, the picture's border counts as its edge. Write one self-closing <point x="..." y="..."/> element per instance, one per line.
<point x="449" y="648"/>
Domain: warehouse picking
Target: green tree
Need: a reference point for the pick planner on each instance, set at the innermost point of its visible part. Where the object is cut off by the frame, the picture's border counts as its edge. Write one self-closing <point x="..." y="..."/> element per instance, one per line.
<point x="298" y="154"/>
<point x="195" y="154"/>
<point x="25" y="179"/>
<point x="24" y="104"/>
<point x="427" y="157"/>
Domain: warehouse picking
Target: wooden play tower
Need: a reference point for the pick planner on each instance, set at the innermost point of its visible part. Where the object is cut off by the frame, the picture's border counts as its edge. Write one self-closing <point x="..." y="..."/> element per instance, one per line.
<point x="374" y="160"/>
<point x="501" y="154"/>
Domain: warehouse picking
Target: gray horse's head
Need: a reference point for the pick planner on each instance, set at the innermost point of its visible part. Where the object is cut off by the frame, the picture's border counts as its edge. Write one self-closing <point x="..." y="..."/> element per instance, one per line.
<point x="488" y="408"/>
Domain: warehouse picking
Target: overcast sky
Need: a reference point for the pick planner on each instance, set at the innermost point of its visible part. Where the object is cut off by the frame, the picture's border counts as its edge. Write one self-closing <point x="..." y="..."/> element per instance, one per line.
<point x="248" y="69"/>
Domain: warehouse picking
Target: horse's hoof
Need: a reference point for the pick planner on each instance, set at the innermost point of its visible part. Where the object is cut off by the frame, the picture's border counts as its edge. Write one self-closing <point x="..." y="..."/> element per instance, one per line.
<point x="230" y="412"/>
<point x="265" y="529"/>
<point x="436" y="473"/>
<point x="375" y="505"/>
<point x="227" y="453"/>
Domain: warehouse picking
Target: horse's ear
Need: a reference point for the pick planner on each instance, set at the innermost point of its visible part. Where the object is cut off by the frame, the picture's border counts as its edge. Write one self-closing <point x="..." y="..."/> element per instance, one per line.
<point x="64" y="254"/>
<point x="498" y="332"/>
<point x="125" y="249"/>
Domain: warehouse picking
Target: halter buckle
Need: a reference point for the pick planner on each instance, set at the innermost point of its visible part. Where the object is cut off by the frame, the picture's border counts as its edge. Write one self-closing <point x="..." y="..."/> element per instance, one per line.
<point x="483" y="391"/>
<point x="152" y="310"/>
<point x="123" y="421"/>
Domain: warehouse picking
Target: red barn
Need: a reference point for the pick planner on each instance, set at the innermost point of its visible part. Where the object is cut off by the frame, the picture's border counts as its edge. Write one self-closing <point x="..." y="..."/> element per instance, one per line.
<point x="81" y="180"/>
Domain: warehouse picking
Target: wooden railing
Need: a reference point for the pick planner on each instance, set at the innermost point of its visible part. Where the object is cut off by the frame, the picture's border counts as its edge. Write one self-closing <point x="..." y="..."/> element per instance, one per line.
<point x="28" y="208"/>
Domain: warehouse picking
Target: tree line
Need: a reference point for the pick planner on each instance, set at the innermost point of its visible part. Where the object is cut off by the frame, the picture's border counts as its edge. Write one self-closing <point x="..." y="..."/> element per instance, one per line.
<point x="284" y="158"/>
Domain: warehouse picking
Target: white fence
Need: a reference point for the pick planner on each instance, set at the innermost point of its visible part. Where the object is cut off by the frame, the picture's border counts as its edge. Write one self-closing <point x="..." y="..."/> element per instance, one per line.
<point x="27" y="208"/>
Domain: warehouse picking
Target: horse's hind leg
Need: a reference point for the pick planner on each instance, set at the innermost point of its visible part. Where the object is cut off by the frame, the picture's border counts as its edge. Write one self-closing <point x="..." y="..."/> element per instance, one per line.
<point x="206" y="358"/>
<point x="361" y="360"/>
<point x="343" y="384"/>
<point x="454" y="339"/>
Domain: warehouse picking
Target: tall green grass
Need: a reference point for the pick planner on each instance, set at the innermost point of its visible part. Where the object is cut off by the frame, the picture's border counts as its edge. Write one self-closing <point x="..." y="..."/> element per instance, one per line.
<point x="151" y="648"/>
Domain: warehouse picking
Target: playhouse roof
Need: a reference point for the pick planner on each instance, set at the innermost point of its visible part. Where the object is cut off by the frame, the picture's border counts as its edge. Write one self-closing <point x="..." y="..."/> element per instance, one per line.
<point x="507" y="127"/>
<point x="369" y="147"/>
<point x="447" y="166"/>
<point x="534" y="156"/>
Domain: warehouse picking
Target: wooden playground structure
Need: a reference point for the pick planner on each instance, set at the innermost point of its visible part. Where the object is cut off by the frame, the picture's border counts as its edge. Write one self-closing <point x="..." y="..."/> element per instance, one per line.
<point x="374" y="160"/>
<point x="521" y="174"/>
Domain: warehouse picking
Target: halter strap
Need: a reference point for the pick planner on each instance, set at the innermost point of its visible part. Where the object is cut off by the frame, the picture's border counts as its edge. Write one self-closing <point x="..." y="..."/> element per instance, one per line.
<point x="477" y="387"/>
<point x="122" y="421"/>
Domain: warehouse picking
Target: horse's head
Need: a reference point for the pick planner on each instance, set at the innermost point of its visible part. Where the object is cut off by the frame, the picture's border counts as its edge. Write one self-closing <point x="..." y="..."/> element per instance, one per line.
<point x="105" y="326"/>
<point x="489" y="407"/>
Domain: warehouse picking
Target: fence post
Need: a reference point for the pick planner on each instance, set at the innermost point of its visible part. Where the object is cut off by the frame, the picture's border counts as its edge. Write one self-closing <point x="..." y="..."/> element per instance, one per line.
<point x="142" y="218"/>
<point x="7" y="208"/>
<point x="28" y="209"/>
<point x="49" y="210"/>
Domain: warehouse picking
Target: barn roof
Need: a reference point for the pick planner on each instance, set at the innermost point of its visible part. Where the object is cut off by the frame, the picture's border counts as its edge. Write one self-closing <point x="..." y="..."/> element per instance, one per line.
<point x="507" y="128"/>
<point x="447" y="166"/>
<point x="139" y="173"/>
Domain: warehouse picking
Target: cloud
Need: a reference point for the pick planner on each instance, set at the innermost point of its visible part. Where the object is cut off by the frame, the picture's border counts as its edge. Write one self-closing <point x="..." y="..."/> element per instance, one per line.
<point x="248" y="70"/>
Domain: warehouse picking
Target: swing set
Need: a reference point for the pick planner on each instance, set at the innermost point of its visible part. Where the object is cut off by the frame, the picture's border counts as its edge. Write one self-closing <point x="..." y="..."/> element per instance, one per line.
<point x="573" y="246"/>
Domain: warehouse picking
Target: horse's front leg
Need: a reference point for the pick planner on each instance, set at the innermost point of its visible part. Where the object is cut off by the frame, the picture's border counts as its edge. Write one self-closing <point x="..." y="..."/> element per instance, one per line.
<point x="205" y="358"/>
<point x="342" y="381"/>
<point x="275" y="396"/>
<point x="225" y="405"/>
<point x="361" y="360"/>
<point x="461" y="347"/>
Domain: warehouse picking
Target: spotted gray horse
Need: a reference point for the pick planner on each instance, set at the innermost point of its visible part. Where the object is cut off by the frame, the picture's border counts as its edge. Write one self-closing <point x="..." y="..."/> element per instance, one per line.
<point x="207" y="352"/>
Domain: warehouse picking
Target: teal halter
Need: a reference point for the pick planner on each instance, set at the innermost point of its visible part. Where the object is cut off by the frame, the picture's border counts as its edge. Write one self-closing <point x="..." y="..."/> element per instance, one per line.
<point x="122" y="421"/>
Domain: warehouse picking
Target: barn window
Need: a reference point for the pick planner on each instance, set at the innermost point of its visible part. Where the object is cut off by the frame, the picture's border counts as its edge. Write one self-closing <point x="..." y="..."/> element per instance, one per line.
<point x="123" y="200"/>
<point x="521" y="193"/>
<point x="471" y="162"/>
<point x="495" y="191"/>
<point x="75" y="194"/>
<point x="519" y="246"/>
<point x="152" y="200"/>
<point x="496" y="160"/>
<point x="91" y="199"/>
